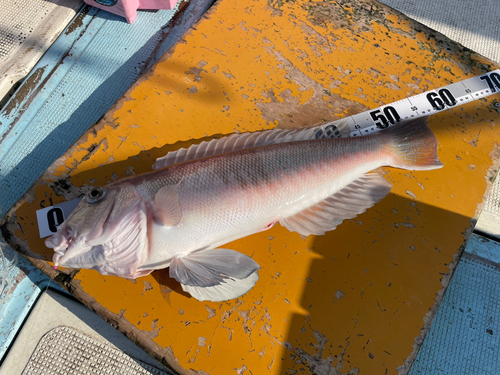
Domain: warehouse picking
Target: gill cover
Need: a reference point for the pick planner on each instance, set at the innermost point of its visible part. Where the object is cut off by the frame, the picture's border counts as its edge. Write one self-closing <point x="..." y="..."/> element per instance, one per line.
<point x="107" y="232"/>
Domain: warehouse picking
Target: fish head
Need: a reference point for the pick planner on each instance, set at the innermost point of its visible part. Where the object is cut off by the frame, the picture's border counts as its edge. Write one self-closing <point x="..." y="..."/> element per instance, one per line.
<point x="107" y="232"/>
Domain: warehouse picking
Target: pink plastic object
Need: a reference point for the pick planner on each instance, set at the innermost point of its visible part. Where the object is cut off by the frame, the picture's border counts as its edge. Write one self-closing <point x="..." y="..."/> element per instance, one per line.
<point x="128" y="8"/>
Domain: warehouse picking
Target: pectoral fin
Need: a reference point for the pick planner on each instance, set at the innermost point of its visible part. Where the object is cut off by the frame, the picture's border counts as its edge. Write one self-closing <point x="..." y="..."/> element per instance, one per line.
<point x="167" y="209"/>
<point x="215" y="275"/>
<point x="347" y="203"/>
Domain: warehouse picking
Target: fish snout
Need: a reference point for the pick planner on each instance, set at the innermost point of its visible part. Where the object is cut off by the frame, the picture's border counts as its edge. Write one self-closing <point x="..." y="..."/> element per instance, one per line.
<point x="61" y="240"/>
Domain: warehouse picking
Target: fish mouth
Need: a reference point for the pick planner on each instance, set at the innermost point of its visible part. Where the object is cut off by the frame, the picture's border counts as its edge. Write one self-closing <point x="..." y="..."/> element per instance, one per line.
<point x="65" y="244"/>
<point x="61" y="242"/>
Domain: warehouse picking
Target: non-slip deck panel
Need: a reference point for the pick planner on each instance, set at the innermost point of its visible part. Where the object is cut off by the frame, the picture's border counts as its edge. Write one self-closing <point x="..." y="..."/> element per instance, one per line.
<point x="472" y="24"/>
<point x="28" y="28"/>
<point x="64" y="350"/>
<point x="465" y="335"/>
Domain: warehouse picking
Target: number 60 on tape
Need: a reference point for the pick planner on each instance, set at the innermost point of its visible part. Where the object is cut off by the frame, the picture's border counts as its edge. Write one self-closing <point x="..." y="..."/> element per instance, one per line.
<point x="424" y="104"/>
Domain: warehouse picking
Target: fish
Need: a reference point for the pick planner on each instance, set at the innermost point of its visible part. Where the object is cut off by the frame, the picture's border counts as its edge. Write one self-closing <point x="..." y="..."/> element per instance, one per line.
<point x="198" y="199"/>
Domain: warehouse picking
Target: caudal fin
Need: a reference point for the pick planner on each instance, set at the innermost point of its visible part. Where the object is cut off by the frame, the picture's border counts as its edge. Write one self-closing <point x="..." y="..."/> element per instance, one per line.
<point x="413" y="145"/>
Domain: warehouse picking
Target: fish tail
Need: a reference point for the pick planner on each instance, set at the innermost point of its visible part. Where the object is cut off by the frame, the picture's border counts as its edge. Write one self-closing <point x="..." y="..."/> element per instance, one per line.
<point x="413" y="145"/>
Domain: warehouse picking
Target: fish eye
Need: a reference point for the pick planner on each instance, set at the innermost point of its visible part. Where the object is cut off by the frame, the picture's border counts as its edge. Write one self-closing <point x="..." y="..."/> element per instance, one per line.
<point x="95" y="195"/>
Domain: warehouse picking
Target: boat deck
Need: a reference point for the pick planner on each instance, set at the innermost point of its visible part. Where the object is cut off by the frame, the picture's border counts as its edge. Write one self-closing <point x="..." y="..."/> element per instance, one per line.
<point x="92" y="65"/>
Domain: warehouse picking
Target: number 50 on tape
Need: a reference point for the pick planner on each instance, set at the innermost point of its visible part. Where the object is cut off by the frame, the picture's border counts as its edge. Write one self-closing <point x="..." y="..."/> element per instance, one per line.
<point x="424" y="104"/>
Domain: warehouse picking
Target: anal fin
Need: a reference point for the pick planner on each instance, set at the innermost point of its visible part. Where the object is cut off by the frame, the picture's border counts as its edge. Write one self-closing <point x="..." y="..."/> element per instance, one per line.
<point x="347" y="203"/>
<point x="215" y="274"/>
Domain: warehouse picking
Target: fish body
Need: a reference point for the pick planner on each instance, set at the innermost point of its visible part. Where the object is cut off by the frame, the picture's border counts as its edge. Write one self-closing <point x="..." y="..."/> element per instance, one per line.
<point x="230" y="196"/>
<point x="179" y="215"/>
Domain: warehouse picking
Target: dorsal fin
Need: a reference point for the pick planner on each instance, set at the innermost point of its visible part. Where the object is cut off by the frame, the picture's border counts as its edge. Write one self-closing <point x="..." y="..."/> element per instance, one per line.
<point x="244" y="141"/>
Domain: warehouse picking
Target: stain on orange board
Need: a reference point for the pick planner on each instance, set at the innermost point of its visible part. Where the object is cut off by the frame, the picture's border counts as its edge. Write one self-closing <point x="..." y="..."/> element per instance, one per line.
<point x="351" y="301"/>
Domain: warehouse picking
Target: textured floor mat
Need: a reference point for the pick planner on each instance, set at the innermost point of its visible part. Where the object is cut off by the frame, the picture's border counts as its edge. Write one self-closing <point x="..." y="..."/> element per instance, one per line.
<point x="465" y="335"/>
<point x="61" y="336"/>
<point x="489" y="220"/>
<point x="471" y="23"/>
<point x="28" y="30"/>
<point x="67" y="351"/>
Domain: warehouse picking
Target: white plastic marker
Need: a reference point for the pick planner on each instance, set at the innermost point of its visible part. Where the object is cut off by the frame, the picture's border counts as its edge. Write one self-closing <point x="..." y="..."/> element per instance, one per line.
<point x="49" y="218"/>
<point x="363" y="123"/>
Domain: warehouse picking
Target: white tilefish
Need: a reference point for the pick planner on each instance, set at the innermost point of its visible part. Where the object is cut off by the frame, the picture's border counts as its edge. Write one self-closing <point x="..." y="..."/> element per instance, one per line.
<point x="198" y="199"/>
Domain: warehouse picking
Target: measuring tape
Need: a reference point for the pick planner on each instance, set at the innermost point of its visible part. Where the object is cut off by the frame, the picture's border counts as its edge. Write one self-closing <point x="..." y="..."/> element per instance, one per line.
<point x="364" y="123"/>
<point x="424" y="104"/>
